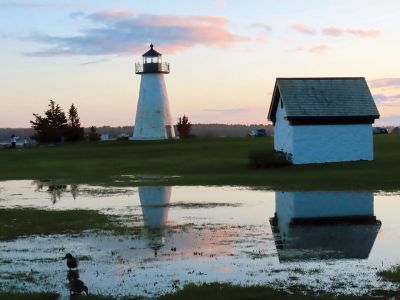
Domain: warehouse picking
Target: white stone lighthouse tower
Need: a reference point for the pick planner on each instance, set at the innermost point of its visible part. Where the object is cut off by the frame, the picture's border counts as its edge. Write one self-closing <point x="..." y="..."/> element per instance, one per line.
<point x="153" y="117"/>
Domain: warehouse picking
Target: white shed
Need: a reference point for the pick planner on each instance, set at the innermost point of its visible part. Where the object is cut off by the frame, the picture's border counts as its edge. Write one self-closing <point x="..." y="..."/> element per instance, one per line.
<point x="318" y="120"/>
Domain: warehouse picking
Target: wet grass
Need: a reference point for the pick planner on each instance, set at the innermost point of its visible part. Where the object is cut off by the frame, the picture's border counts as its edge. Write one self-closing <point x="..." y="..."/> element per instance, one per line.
<point x="198" y="161"/>
<point x="15" y="223"/>
<point x="48" y="296"/>
<point x="392" y="274"/>
<point x="28" y="296"/>
<point x="220" y="291"/>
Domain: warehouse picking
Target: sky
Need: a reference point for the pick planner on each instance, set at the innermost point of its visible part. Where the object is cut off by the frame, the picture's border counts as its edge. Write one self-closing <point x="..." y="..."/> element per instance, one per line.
<point x="224" y="55"/>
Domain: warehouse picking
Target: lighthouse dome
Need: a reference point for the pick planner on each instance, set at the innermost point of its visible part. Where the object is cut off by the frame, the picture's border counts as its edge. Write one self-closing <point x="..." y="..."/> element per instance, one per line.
<point x="152" y="52"/>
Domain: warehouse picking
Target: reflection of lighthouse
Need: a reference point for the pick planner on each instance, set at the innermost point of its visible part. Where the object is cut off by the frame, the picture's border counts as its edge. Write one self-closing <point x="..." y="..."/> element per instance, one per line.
<point x="153" y="117"/>
<point x="155" y="201"/>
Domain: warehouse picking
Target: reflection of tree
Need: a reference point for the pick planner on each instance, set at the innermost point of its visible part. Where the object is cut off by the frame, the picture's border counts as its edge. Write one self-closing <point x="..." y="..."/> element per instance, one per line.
<point x="74" y="190"/>
<point x="55" y="189"/>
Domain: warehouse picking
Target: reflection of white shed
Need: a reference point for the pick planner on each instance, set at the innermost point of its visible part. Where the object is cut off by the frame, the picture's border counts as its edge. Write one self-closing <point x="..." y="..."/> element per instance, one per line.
<point x="324" y="225"/>
<point x="319" y="120"/>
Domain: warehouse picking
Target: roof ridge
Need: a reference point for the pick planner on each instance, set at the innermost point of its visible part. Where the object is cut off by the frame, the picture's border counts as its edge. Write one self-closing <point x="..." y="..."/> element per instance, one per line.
<point x="317" y="78"/>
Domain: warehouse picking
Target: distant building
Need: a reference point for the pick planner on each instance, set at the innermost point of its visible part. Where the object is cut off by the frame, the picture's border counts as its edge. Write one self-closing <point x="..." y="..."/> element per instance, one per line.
<point x="104" y="137"/>
<point x="318" y="120"/>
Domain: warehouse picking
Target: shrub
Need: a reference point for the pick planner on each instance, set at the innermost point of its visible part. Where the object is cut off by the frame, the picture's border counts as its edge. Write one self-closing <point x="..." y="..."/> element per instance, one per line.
<point x="269" y="159"/>
<point x="184" y="127"/>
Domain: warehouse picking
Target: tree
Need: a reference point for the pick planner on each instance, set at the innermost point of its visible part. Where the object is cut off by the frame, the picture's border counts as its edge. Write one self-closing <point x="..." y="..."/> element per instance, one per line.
<point x="184" y="127"/>
<point x="74" y="131"/>
<point x="51" y="127"/>
<point x="93" y="135"/>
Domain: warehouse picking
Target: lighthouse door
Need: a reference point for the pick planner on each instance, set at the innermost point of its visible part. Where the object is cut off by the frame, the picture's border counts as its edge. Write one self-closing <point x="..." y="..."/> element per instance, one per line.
<point x="169" y="131"/>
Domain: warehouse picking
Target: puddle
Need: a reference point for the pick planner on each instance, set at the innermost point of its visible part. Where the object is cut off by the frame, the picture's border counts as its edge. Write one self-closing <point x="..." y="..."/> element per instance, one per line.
<point x="326" y="241"/>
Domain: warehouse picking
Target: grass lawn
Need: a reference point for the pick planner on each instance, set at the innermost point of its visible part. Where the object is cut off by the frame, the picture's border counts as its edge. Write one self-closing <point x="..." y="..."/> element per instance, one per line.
<point x="222" y="291"/>
<point x="15" y="222"/>
<point x="199" y="161"/>
<point x="27" y="296"/>
<point x="392" y="274"/>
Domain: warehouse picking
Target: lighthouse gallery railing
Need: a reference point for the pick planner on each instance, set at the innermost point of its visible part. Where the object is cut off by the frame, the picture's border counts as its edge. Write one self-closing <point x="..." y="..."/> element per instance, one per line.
<point x="141" y="68"/>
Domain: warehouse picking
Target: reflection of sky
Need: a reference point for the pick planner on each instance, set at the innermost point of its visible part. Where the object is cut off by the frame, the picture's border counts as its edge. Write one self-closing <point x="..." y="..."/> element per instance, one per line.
<point x="215" y="243"/>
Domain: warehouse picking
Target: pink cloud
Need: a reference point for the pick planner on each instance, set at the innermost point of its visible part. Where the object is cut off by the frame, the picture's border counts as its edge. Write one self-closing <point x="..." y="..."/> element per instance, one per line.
<point x="319" y="49"/>
<point x="332" y="31"/>
<point x="113" y="14"/>
<point x="385" y="83"/>
<point x="303" y="28"/>
<point x="336" y="31"/>
<point x="122" y="33"/>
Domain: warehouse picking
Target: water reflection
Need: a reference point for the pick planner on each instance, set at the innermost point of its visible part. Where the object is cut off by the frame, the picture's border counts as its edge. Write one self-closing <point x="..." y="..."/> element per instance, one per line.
<point x="324" y="225"/>
<point x="56" y="189"/>
<point x="155" y="201"/>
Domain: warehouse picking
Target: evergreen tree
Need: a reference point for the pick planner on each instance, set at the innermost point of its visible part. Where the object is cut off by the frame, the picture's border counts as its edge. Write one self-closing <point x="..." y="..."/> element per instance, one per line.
<point x="51" y="127"/>
<point x="74" y="130"/>
<point x="93" y="135"/>
<point x="184" y="127"/>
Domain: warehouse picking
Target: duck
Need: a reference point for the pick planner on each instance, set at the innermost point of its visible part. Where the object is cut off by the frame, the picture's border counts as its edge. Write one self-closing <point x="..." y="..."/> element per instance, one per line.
<point x="76" y="286"/>
<point x="72" y="262"/>
<point x="72" y="274"/>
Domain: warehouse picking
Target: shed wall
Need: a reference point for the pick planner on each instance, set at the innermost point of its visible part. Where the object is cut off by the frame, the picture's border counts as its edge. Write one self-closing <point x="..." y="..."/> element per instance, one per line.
<point x="332" y="143"/>
<point x="283" y="132"/>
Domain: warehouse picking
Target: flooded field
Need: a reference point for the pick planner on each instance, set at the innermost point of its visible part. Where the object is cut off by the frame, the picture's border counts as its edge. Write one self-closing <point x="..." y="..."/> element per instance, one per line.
<point x="326" y="241"/>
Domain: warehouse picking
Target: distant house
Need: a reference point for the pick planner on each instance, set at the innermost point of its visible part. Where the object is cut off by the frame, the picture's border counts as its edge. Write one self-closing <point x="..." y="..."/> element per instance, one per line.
<point x="104" y="137"/>
<point x="318" y="120"/>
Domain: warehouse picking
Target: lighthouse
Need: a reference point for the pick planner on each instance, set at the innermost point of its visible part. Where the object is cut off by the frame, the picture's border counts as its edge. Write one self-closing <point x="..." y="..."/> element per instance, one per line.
<point x="153" y="117"/>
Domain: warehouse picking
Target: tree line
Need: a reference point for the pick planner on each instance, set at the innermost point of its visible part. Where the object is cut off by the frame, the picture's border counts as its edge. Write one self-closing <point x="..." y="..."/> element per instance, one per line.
<point x="56" y="127"/>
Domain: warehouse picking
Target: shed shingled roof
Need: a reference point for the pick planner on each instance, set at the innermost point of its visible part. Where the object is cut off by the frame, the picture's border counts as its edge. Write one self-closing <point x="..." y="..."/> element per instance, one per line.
<point x="324" y="98"/>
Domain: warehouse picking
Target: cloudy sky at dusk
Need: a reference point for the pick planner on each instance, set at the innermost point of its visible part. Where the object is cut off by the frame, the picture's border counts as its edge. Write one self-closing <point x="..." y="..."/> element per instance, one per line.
<point x="224" y="54"/>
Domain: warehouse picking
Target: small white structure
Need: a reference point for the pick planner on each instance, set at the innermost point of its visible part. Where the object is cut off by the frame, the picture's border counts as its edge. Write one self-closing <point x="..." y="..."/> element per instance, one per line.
<point x="153" y="117"/>
<point x="318" y="120"/>
<point x="104" y="137"/>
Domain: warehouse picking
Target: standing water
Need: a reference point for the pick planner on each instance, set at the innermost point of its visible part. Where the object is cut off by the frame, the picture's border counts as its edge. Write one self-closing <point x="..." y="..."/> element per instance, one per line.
<point x="327" y="241"/>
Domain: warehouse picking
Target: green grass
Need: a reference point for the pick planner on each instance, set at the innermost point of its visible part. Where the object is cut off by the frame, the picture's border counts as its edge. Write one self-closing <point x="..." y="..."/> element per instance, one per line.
<point x="199" y="161"/>
<point x="45" y="296"/>
<point x="221" y="291"/>
<point x="15" y="223"/>
<point x="392" y="274"/>
<point x="27" y="296"/>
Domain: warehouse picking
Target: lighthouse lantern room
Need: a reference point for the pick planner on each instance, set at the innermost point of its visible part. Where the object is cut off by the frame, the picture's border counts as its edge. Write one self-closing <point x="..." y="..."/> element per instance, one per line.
<point x="153" y="117"/>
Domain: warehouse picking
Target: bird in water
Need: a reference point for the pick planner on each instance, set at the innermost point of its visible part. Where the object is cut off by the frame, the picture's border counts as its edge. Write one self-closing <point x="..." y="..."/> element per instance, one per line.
<point x="72" y="274"/>
<point x="76" y="286"/>
<point x="72" y="262"/>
